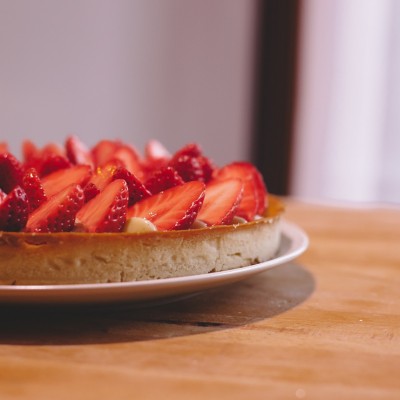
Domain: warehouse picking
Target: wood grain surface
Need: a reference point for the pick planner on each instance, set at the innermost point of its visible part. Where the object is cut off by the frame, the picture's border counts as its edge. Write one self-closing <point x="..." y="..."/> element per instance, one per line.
<point x="326" y="326"/>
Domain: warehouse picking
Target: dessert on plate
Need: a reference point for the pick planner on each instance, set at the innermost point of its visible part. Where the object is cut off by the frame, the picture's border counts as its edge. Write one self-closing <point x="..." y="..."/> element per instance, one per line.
<point x="71" y="215"/>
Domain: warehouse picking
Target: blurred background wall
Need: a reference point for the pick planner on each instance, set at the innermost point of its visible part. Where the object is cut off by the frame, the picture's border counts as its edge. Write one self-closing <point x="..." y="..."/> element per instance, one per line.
<point x="309" y="90"/>
<point x="176" y="70"/>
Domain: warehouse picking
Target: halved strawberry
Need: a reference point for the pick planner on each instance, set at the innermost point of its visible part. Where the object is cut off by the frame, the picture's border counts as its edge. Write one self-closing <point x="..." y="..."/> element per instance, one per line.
<point x="191" y="165"/>
<point x="191" y="150"/>
<point x="101" y="177"/>
<point x="131" y="160"/>
<point x="175" y="208"/>
<point x="3" y="147"/>
<point x="59" y="180"/>
<point x="52" y="163"/>
<point x="52" y="149"/>
<point x="189" y="168"/>
<point x="14" y="210"/>
<point x="156" y="158"/>
<point x="155" y="151"/>
<point x="58" y="213"/>
<point x="107" y="211"/>
<point x="222" y="199"/>
<point x="11" y="172"/>
<point x="77" y="152"/>
<point x="33" y="188"/>
<point x="163" y="179"/>
<point x="254" y="192"/>
<point x="31" y="154"/>
<point x="104" y="151"/>
<point x="137" y="191"/>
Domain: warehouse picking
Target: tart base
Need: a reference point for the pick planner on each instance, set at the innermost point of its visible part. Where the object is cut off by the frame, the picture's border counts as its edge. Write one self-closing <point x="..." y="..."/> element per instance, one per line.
<point x="76" y="258"/>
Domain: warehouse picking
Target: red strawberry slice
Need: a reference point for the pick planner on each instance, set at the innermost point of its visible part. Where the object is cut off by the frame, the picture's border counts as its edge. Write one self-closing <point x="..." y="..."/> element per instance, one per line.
<point x="191" y="165"/>
<point x="3" y="147"/>
<point x="11" y="172"/>
<point x="254" y="192"/>
<point x="131" y="160"/>
<point x="163" y="179"/>
<point x="52" y="149"/>
<point x="14" y="210"/>
<point x="222" y="199"/>
<point x="189" y="168"/>
<point x="191" y="150"/>
<point x="77" y="152"/>
<point x="107" y="211"/>
<point x="52" y="163"/>
<point x="33" y="188"/>
<point x="31" y="154"/>
<point x="155" y="151"/>
<point x="104" y="151"/>
<point x="137" y="191"/>
<point x="100" y="179"/>
<point x="59" y="180"/>
<point x="156" y="158"/>
<point x="58" y="213"/>
<point x="175" y="208"/>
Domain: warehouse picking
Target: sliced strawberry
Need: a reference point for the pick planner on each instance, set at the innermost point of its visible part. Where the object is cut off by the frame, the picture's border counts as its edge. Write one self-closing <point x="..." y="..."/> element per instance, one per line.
<point x="208" y="168"/>
<point x="191" y="165"/>
<point x="58" y="213"/>
<point x="52" y="149"/>
<point x="104" y="151"/>
<point x="137" y="191"/>
<point x="77" y="152"/>
<point x="222" y="199"/>
<point x="155" y="151"/>
<point x="52" y="163"/>
<point x="33" y="188"/>
<point x="90" y="191"/>
<point x="3" y="147"/>
<point x="14" y="210"/>
<point x="29" y="151"/>
<point x="175" y="208"/>
<point x="11" y="172"/>
<point x="107" y="211"/>
<point x="101" y="177"/>
<point x="254" y="192"/>
<point x="59" y="180"/>
<point x="156" y="158"/>
<point x="163" y="179"/>
<point x="191" y="150"/>
<point x="189" y="168"/>
<point x="131" y="160"/>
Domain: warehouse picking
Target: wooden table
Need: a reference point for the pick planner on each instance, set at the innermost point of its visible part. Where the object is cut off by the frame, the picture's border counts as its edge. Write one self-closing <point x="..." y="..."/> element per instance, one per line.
<point x="326" y="326"/>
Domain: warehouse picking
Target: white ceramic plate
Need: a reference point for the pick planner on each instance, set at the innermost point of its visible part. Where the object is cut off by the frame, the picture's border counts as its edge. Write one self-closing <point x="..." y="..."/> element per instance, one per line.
<point x="294" y="242"/>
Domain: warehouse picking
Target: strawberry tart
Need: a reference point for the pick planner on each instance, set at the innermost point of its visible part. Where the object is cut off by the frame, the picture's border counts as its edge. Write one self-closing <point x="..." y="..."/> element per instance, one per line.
<point x="71" y="215"/>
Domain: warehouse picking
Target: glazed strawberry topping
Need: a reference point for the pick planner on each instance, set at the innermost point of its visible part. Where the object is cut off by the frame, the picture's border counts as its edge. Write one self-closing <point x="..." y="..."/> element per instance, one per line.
<point x="77" y="152"/>
<point x="111" y="182"/>
<point x="107" y="211"/>
<point x="33" y="188"/>
<point x="59" y="180"/>
<point x="175" y="208"/>
<point x="14" y="209"/>
<point x="58" y="213"/>
<point x="163" y="179"/>
<point x="253" y="201"/>
<point x="221" y="202"/>
<point x="11" y="172"/>
<point x="137" y="191"/>
<point x="52" y="163"/>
